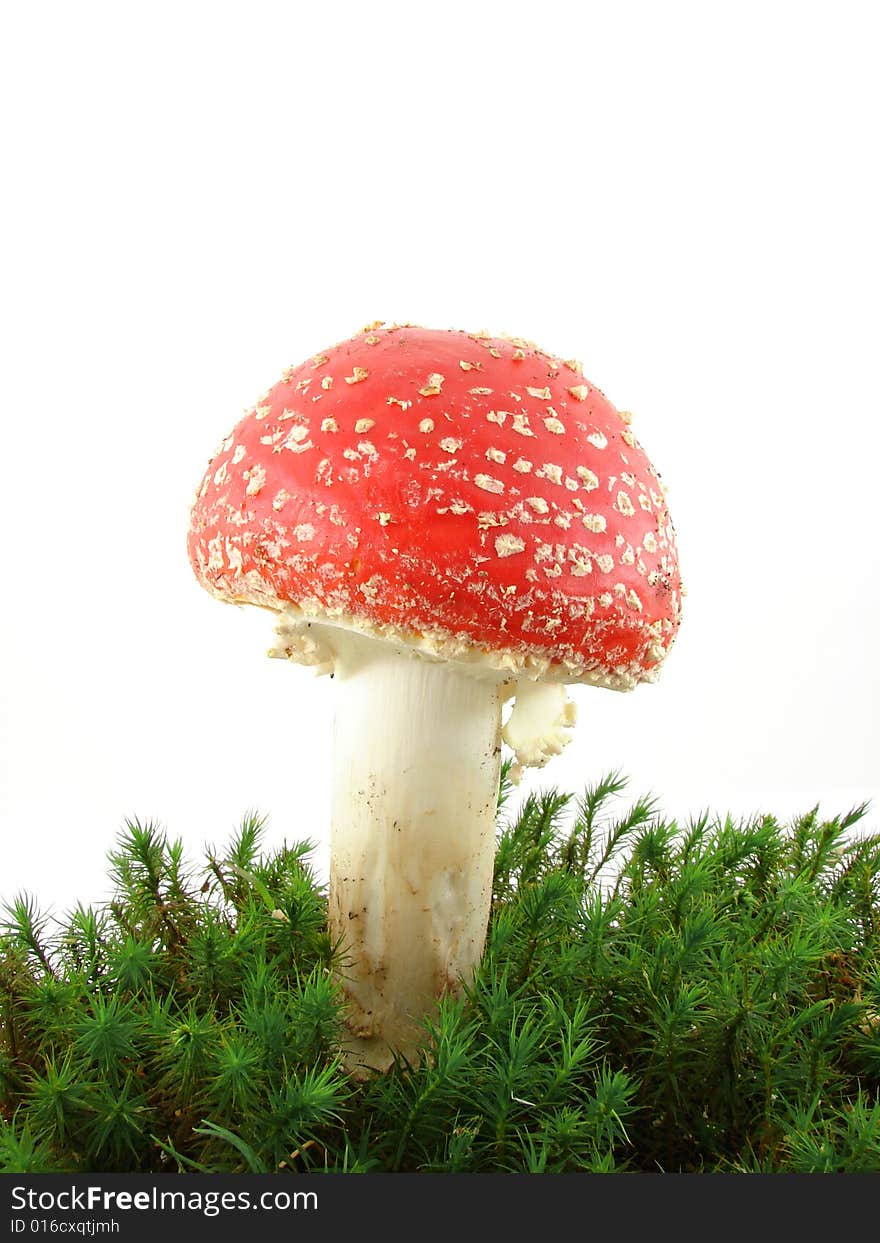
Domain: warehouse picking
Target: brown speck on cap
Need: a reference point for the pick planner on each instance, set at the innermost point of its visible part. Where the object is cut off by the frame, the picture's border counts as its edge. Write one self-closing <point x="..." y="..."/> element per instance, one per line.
<point x="579" y="392"/>
<point x="434" y="385"/>
<point x="357" y="374"/>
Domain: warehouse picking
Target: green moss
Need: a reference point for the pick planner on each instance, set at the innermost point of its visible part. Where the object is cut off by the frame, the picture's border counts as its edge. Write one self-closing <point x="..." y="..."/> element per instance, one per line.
<point x="652" y="997"/>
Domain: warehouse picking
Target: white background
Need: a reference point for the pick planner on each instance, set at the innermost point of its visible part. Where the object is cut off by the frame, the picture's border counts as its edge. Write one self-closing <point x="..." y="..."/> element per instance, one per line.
<point x="196" y="195"/>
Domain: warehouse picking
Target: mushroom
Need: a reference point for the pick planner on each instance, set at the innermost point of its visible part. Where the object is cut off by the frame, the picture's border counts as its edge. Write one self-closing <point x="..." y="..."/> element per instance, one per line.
<point x="443" y="521"/>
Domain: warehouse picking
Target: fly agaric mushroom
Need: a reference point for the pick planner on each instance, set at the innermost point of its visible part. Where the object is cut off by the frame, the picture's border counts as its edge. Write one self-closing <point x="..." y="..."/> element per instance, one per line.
<point x="445" y="521"/>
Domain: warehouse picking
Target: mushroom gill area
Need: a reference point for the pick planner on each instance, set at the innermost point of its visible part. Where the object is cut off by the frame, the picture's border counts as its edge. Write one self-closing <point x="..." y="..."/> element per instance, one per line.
<point x="540" y="718"/>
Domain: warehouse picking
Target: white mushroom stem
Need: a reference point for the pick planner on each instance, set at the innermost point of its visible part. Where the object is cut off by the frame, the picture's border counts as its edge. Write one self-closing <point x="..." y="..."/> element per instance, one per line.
<point x="416" y="767"/>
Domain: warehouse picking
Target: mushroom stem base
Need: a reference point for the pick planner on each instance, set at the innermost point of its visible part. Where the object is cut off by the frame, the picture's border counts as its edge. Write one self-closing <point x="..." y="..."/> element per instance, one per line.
<point x="417" y="758"/>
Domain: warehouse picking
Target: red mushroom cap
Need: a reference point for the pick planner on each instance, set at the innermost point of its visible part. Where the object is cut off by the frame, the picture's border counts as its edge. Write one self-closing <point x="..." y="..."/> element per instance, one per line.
<point x="460" y="492"/>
